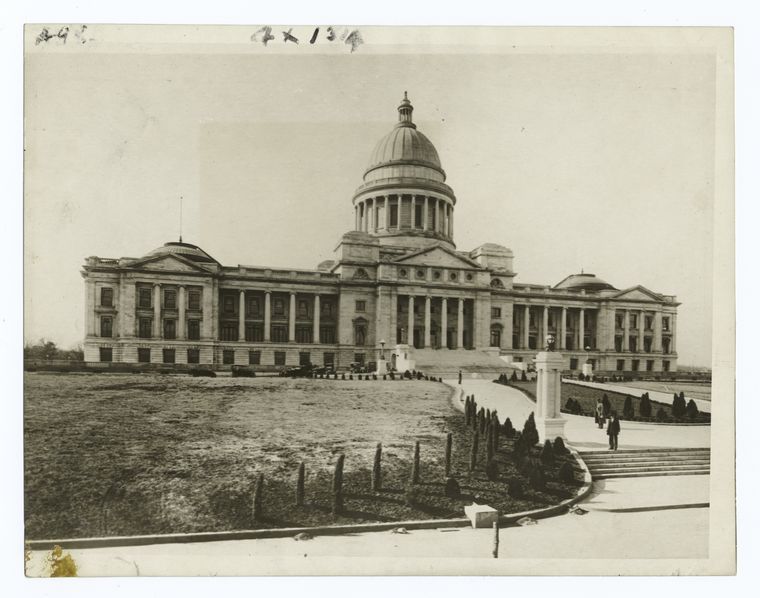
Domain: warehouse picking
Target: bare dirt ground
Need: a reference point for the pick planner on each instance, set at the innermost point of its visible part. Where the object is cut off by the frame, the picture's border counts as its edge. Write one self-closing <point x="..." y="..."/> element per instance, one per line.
<point x="125" y="454"/>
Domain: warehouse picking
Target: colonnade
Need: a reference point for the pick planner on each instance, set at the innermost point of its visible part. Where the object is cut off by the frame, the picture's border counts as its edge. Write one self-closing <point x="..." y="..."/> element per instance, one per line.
<point x="373" y="214"/>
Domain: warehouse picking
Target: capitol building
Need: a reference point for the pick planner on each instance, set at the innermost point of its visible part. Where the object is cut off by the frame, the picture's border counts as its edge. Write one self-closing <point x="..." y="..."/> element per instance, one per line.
<point x="396" y="279"/>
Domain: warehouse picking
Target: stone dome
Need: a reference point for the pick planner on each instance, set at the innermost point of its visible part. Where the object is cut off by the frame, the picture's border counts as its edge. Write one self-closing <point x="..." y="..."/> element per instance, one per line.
<point x="584" y="281"/>
<point x="406" y="146"/>
<point x="186" y="250"/>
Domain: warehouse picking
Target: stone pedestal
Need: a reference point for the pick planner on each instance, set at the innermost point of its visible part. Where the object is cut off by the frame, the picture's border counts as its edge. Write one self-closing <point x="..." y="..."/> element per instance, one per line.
<point x="549" y="421"/>
<point x="588" y="369"/>
<point x="382" y="367"/>
<point x="481" y="515"/>
<point x="402" y="358"/>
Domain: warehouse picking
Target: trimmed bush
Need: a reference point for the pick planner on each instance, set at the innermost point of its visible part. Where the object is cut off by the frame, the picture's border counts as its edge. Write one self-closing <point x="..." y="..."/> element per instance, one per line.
<point x="377" y="472"/>
<point x="606" y="405"/>
<point x="447" y="454"/>
<point x="509" y="430"/>
<point x="566" y="473"/>
<point x="628" y="412"/>
<point x="513" y="378"/>
<point x="300" y="481"/>
<point x="523" y="377"/>
<point x="537" y="477"/>
<point x="337" y="485"/>
<point x="413" y="496"/>
<point x="451" y="488"/>
<point x="559" y="446"/>
<point x="415" y="478"/>
<point x="474" y="451"/>
<point x="661" y="415"/>
<point x="514" y="488"/>
<point x="547" y="453"/>
<point x="258" y="498"/>
<point x="645" y="406"/>
<point x="492" y="470"/>
<point x="691" y="409"/>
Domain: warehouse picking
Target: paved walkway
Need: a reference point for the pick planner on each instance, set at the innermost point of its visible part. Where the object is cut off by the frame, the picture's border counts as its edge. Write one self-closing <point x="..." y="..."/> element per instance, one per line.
<point x="580" y="431"/>
<point x="655" y="395"/>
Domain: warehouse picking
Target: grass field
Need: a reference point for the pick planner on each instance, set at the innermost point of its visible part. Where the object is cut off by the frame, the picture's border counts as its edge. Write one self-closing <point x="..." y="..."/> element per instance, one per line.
<point x="124" y="454"/>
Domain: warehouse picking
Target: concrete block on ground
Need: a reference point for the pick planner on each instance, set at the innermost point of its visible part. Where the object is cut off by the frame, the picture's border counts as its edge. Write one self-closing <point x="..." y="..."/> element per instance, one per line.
<point x="481" y="515"/>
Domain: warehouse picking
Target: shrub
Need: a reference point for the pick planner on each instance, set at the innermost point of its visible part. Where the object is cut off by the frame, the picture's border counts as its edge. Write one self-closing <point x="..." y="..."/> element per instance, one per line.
<point x="258" y="498"/>
<point x="337" y="485"/>
<point x="606" y="406"/>
<point x="447" y="455"/>
<point x="451" y="488"/>
<point x="377" y="472"/>
<point x="342" y="376"/>
<point x="559" y="446"/>
<point x="413" y="496"/>
<point x="523" y="377"/>
<point x="661" y="415"/>
<point x="628" y="408"/>
<point x="492" y="470"/>
<point x="300" y="481"/>
<point x="509" y="430"/>
<point x="513" y="378"/>
<point x="393" y="376"/>
<point x="537" y="477"/>
<point x="691" y="409"/>
<point x="514" y="488"/>
<point x="566" y="473"/>
<point x="474" y="451"/>
<point x="645" y="406"/>
<point x="547" y="453"/>
<point x="679" y="406"/>
<point x="416" y="464"/>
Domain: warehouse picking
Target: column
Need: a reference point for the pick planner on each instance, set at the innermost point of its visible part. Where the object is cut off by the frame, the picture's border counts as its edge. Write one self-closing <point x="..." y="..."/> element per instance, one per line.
<point x="444" y="323"/>
<point x="427" y="321"/>
<point x="451" y="222"/>
<point x="181" y="321"/>
<point x="356" y="218"/>
<point x="292" y="318"/>
<point x="581" y="328"/>
<point x="673" y="335"/>
<point x="448" y="221"/>
<point x="437" y="215"/>
<point x="365" y="210"/>
<point x="640" y="340"/>
<point x="425" y="212"/>
<point x="267" y="316"/>
<point x="412" y="211"/>
<point x="626" y="329"/>
<point x="157" y="332"/>
<point x="460" y="323"/>
<point x="563" y="330"/>
<point x="545" y="322"/>
<point x="410" y="322"/>
<point x="387" y="211"/>
<point x="315" y="332"/>
<point x="657" y="340"/>
<point x="241" y="316"/>
<point x="526" y="327"/>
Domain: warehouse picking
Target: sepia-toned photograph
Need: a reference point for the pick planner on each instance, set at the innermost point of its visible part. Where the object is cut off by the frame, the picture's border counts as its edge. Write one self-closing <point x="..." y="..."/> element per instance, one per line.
<point x="361" y="300"/>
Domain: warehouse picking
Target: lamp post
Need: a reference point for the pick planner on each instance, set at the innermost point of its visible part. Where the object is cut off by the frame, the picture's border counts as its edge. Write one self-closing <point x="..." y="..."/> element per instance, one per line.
<point x="550" y="342"/>
<point x="382" y="349"/>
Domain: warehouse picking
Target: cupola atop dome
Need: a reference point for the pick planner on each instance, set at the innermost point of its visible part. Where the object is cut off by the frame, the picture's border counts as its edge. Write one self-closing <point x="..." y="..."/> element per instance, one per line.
<point x="584" y="281"/>
<point x="186" y="250"/>
<point x="404" y="198"/>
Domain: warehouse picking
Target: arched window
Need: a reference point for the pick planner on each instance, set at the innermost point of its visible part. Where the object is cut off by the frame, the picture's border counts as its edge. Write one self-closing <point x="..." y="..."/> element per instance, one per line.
<point x="361" y="273"/>
<point x="497" y="284"/>
<point x="495" y="335"/>
<point x="360" y="333"/>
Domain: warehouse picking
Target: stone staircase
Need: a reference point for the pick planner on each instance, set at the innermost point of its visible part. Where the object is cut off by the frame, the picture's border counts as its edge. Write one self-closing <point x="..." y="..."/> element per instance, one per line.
<point x="446" y="363"/>
<point x="632" y="463"/>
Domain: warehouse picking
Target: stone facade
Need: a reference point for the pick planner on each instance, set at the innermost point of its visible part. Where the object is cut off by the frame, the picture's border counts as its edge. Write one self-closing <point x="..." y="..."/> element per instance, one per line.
<point x="398" y="278"/>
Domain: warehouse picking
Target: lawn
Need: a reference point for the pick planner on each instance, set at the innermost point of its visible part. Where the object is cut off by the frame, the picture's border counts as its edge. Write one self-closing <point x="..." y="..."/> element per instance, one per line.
<point x="124" y="454"/>
<point x="693" y="390"/>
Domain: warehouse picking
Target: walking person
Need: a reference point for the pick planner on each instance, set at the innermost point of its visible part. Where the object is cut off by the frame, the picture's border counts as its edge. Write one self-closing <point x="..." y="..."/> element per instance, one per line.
<point x="460" y="377"/>
<point x="613" y="430"/>
<point x="599" y="415"/>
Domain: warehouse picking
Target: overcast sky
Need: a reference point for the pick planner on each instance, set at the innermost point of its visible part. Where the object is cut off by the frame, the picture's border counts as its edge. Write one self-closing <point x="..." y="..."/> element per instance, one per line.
<point x="595" y="161"/>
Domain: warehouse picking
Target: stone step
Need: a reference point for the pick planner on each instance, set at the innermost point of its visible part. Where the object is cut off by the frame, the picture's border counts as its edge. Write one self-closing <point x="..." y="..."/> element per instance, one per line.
<point x="646" y="474"/>
<point x="663" y="450"/>
<point x="649" y="467"/>
<point x="628" y="459"/>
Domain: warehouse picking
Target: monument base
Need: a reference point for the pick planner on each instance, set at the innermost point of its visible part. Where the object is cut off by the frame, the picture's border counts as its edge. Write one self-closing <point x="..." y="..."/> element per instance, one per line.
<point x="382" y="367"/>
<point x="588" y="369"/>
<point x="550" y="428"/>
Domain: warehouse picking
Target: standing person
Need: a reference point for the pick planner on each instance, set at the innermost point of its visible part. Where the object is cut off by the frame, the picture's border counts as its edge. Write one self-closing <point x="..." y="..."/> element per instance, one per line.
<point x="613" y="429"/>
<point x="599" y="415"/>
<point x="460" y="377"/>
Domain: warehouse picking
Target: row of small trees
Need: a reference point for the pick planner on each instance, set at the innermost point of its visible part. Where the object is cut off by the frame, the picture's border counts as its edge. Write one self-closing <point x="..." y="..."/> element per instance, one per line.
<point x="681" y="408"/>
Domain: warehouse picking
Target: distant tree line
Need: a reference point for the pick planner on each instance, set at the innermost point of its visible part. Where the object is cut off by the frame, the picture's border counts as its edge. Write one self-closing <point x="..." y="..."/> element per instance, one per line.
<point x="47" y="350"/>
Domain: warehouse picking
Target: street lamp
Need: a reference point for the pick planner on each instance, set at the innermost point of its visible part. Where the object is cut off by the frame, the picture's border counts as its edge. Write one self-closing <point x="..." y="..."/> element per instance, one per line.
<point x="382" y="350"/>
<point x="550" y="341"/>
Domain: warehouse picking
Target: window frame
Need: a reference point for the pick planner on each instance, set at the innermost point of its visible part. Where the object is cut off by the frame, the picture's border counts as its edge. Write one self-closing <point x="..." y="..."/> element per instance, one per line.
<point x="109" y="321"/>
<point x="103" y="293"/>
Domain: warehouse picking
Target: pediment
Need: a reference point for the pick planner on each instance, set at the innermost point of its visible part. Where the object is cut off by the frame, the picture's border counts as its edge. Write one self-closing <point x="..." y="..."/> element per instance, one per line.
<point x="438" y="257"/>
<point x="168" y="263"/>
<point x="638" y="294"/>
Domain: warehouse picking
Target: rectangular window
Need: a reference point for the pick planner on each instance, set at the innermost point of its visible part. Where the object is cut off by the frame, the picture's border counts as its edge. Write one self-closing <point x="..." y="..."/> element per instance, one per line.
<point x="194" y="300"/>
<point x="650" y="365"/>
<point x="143" y="355"/>
<point x="359" y="358"/>
<point x="551" y="319"/>
<point x="146" y="328"/>
<point x="632" y="344"/>
<point x="634" y="321"/>
<point x="170" y="299"/>
<point x="531" y="318"/>
<point x="303" y="308"/>
<point x="620" y="366"/>
<point x="194" y="330"/>
<point x="279" y="357"/>
<point x="254" y="357"/>
<point x="144" y="298"/>
<point x="619" y="344"/>
<point x="279" y="307"/>
<point x="666" y="324"/>
<point x="228" y="304"/>
<point x="168" y="355"/>
<point x="329" y="359"/>
<point x="106" y="327"/>
<point x="279" y="334"/>
<point x="418" y="216"/>
<point x="647" y="344"/>
<point x="170" y="329"/>
<point x="619" y="320"/>
<point x="228" y="356"/>
<point x="394" y="214"/>
<point x="193" y="356"/>
<point x="665" y="366"/>
<point x="254" y="333"/>
<point x="254" y="307"/>
<point x="327" y="335"/>
<point x="495" y="312"/>
<point x="573" y="363"/>
<point x="648" y="320"/>
<point x="361" y="305"/>
<point x="326" y="309"/>
<point x="106" y="297"/>
<point x="304" y="358"/>
<point x="303" y="334"/>
<point x="106" y="354"/>
<point x="229" y="332"/>
<point x="635" y="365"/>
